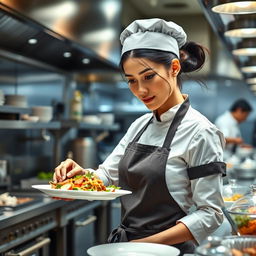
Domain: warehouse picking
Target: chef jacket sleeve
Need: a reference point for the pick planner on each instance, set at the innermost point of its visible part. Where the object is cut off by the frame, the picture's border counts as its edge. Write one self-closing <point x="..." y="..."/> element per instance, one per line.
<point x="204" y="151"/>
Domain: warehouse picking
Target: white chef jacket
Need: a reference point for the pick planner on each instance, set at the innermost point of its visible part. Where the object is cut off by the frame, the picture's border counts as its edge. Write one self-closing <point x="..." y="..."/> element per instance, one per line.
<point x="229" y="127"/>
<point x="196" y="142"/>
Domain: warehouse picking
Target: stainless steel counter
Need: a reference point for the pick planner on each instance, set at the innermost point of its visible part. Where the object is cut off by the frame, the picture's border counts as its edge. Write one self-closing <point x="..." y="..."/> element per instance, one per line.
<point x="45" y="216"/>
<point x="41" y="206"/>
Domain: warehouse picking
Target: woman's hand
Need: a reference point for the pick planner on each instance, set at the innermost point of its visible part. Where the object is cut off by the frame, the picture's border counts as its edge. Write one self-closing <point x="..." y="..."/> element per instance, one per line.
<point x="67" y="169"/>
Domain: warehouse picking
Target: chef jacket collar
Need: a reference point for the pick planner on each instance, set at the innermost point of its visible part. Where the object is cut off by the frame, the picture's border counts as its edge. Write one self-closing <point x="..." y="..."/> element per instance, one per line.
<point x="170" y="113"/>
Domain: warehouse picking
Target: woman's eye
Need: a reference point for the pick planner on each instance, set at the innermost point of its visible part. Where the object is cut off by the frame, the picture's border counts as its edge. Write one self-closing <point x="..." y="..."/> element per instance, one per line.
<point x="131" y="81"/>
<point x="148" y="77"/>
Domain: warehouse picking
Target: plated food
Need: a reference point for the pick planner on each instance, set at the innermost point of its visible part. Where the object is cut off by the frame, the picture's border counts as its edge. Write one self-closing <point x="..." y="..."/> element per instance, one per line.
<point x="86" y="182"/>
<point x="84" y="187"/>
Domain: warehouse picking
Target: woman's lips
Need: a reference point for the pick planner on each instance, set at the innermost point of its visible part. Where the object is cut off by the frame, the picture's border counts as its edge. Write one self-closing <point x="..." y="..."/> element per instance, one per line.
<point x="148" y="99"/>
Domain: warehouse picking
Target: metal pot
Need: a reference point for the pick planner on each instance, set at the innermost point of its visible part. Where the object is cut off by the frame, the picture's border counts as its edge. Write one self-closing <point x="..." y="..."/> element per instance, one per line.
<point x="84" y="152"/>
<point x="245" y="173"/>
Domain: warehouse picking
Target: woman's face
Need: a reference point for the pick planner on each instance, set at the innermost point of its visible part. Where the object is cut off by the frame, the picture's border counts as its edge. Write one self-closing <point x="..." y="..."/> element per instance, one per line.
<point x="151" y="83"/>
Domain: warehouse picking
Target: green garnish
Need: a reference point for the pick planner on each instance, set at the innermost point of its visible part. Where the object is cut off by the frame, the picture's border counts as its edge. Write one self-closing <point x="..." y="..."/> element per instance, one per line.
<point x="113" y="186"/>
<point x="89" y="175"/>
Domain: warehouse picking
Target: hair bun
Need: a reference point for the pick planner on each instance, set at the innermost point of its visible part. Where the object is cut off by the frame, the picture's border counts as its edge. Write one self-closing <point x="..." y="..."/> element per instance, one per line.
<point x="192" y="57"/>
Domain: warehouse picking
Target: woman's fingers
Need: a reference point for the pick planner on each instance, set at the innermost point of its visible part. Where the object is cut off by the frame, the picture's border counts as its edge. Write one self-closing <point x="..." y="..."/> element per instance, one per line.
<point x="62" y="169"/>
<point x="78" y="170"/>
<point x="67" y="169"/>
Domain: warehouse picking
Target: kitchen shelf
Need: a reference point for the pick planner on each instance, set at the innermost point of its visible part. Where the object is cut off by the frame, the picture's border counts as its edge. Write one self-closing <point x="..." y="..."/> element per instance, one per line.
<point x="88" y="126"/>
<point x="14" y="110"/>
<point x="55" y="125"/>
<point x="18" y="124"/>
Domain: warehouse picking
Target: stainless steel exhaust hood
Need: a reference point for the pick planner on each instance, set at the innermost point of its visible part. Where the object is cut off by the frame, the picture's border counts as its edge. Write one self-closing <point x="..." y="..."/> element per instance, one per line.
<point x="67" y="34"/>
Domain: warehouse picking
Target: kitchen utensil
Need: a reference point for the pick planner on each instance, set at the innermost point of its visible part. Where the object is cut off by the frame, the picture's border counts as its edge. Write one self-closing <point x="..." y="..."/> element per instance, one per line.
<point x="80" y="194"/>
<point x="133" y="249"/>
<point x="243" y="213"/>
<point x="231" y="222"/>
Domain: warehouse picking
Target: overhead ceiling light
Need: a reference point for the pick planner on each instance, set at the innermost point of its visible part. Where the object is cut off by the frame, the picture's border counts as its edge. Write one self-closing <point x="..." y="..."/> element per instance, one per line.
<point x="234" y="6"/>
<point x="86" y="60"/>
<point x="67" y="54"/>
<point x="32" y="41"/>
<point x="243" y="28"/>
<point x="247" y="47"/>
<point x="251" y="80"/>
<point x="249" y="66"/>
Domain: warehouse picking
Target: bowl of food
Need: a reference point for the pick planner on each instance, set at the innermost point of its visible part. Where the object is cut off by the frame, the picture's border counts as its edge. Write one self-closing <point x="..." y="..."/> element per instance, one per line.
<point x="233" y="191"/>
<point x="243" y="213"/>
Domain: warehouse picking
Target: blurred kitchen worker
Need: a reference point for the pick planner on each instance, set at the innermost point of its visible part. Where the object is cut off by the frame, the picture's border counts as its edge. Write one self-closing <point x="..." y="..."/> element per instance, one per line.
<point x="229" y="122"/>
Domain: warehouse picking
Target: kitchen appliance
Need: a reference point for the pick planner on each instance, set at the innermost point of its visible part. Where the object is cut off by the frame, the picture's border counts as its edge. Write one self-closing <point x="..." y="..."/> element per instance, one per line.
<point x="84" y="152"/>
<point x="28" y="238"/>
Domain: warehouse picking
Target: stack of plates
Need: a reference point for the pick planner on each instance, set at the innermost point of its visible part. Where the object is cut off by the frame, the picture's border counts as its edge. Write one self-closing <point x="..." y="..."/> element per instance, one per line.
<point x="16" y="100"/>
<point x="1" y="98"/>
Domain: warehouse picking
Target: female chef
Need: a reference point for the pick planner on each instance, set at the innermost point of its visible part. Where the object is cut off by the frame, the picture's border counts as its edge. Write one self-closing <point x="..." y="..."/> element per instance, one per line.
<point x="171" y="158"/>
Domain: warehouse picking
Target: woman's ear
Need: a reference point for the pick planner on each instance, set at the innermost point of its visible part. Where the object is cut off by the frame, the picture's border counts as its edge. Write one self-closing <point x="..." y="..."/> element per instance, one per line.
<point x="175" y="67"/>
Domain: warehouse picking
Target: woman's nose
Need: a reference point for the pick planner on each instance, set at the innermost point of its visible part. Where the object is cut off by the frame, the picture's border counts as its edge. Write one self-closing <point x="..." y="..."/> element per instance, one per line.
<point x="142" y="88"/>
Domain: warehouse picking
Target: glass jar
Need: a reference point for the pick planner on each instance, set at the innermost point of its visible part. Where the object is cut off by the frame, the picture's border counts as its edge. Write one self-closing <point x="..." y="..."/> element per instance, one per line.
<point x="243" y="213"/>
<point x="232" y="192"/>
<point x="76" y="110"/>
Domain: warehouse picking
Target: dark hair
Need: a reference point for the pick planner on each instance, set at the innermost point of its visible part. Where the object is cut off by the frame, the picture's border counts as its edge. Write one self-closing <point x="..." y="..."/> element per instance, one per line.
<point x="242" y="104"/>
<point x="192" y="57"/>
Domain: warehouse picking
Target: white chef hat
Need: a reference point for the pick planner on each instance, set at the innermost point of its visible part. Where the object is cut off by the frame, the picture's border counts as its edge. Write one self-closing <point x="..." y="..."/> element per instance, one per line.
<point x="153" y="34"/>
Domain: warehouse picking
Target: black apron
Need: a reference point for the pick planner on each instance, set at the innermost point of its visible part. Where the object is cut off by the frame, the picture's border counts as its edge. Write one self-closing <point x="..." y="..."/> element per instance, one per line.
<point x="150" y="208"/>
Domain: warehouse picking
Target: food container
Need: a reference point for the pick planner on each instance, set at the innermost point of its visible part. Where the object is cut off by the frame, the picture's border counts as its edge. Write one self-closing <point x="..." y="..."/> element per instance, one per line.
<point x="233" y="191"/>
<point x="228" y="246"/>
<point x="243" y="213"/>
<point x="45" y="113"/>
<point x="246" y="170"/>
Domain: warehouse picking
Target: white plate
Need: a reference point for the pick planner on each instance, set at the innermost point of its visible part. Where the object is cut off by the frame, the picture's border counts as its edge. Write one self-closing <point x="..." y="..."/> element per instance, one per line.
<point x="79" y="194"/>
<point x="133" y="249"/>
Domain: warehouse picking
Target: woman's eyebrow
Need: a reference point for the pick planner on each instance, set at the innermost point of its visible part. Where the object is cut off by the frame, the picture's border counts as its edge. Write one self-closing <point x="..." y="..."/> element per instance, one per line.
<point x="141" y="72"/>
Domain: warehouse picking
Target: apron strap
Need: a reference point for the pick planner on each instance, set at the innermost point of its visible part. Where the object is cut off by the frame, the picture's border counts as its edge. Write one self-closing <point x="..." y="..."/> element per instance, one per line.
<point x="173" y="127"/>
<point x="175" y="123"/>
